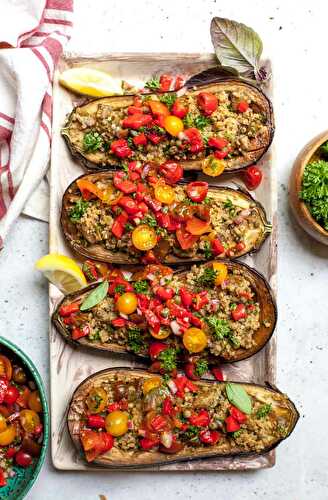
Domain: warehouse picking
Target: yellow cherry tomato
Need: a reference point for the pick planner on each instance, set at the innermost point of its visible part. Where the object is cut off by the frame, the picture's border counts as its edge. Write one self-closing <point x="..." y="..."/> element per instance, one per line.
<point x="7" y="436"/>
<point x="127" y="303"/>
<point x="116" y="423"/>
<point x="212" y="166"/>
<point x="34" y="402"/>
<point x="29" y="420"/>
<point x="3" y="423"/>
<point x="194" y="339"/>
<point x="164" y="193"/>
<point x="6" y="368"/>
<point x="161" y="334"/>
<point x="150" y="384"/>
<point x="173" y="125"/>
<point x="222" y="272"/>
<point x="97" y="400"/>
<point x="144" y="237"/>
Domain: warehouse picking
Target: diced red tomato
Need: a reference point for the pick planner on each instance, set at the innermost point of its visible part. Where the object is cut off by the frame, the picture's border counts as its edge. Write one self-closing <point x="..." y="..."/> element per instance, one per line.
<point x="152" y="320"/>
<point x="137" y="101"/>
<point x="155" y="138"/>
<point x="252" y="177"/>
<point x="96" y="421"/>
<point x="148" y="444"/>
<point x="242" y="106"/>
<point x="209" y="437"/>
<point x="78" y="334"/>
<point x="190" y="371"/>
<point x="202" y="419"/>
<point x="132" y="110"/>
<point x="217" y="247"/>
<point x="171" y="171"/>
<point x="239" y="312"/>
<point x="165" y="82"/>
<point x="164" y="293"/>
<point x="121" y="148"/>
<point x="221" y="154"/>
<point x="113" y="407"/>
<point x="128" y="204"/>
<point x="175" y="447"/>
<point x="95" y="443"/>
<point x="197" y="191"/>
<point x="122" y="183"/>
<point x="158" y="423"/>
<point x="68" y="309"/>
<point x="207" y="102"/>
<point x="11" y="452"/>
<point x="240" y="247"/>
<point x="238" y="415"/>
<point x="3" y="481"/>
<point x="179" y="82"/>
<point x="217" y="142"/>
<point x="158" y="108"/>
<point x="186" y="297"/>
<point x="140" y="140"/>
<point x="194" y="139"/>
<point x="231" y="424"/>
<point x="155" y="349"/>
<point x="179" y="109"/>
<point x="168" y="407"/>
<point x="136" y="121"/>
<point x="154" y="205"/>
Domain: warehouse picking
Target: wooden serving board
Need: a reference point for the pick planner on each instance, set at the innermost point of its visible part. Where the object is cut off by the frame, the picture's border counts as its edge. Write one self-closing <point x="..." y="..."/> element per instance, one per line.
<point x="69" y="366"/>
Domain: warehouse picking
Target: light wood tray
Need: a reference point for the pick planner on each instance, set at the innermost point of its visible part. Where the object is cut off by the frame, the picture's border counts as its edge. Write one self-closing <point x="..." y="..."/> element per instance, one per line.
<point x="69" y="366"/>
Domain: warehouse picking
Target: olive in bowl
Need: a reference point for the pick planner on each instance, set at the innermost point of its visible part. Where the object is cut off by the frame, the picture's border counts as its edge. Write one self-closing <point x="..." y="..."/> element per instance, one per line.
<point x="308" y="188"/>
<point x="24" y="422"/>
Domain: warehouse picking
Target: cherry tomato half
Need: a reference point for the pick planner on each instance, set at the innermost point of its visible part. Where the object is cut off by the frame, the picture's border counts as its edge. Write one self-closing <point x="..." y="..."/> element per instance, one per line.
<point x="34" y="402"/>
<point x="194" y="339"/>
<point x="6" y="369"/>
<point x="252" y="177"/>
<point x="150" y="384"/>
<point x="144" y="237"/>
<point x="158" y="108"/>
<point x="197" y="191"/>
<point x="173" y="125"/>
<point x="212" y="166"/>
<point x="23" y="459"/>
<point x="207" y="102"/>
<point x="161" y="334"/>
<point x="12" y="395"/>
<point x="171" y="171"/>
<point x="116" y="423"/>
<point x="7" y="436"/>
<point x="197" y="226"/>
<point x="3" y="423"/>
<point x="185" y="239"/>
<point x="29" y="420"/>
<point x="164" y="193"/>
<point x="127" y="303"/>
<point x="97" y="400"/>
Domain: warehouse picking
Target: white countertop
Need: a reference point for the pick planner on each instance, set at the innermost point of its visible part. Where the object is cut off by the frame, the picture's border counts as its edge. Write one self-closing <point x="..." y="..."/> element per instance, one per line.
<point x="294" y="36"/>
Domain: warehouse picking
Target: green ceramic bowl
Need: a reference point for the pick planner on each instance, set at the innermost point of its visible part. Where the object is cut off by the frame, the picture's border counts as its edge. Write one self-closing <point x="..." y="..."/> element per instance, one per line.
<point x="18" y="486"/>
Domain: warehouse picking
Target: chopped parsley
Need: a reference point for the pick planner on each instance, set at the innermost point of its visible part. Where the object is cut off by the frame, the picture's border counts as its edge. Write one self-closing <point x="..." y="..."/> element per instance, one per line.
<point x="324" y="149"/>
<point x="78" y="210"/>
<point x="236" y="433"/>
<point x="141" y="286"/>
<point x="207" y="250"/>
<point x="168" y="359"/>
<point x="263" y="411"/>
<point x="149" y="220"/>
<point x="153" y="84"/>
<point x="220" y="327"/>
<point x="207" y="279"/>
<point x="168" y="99"/>
<point x="191" y="434"/>
<point x="201" y="367"/>
<point x="92" y="141"/>
<point x="119" y="289"/>
<point x="228" y="203"/>
<point x="128" y="226"/>
<point x="188" y="121"/>
<point x="135" y="340"/>
<point x="201" y="122"/>
<point x="282" y="430"/>
<point x="315" y="191"/>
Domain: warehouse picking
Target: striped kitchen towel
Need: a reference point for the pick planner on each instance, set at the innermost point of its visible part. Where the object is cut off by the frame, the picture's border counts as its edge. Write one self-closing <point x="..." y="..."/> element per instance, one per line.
<point x="32" y="36"/>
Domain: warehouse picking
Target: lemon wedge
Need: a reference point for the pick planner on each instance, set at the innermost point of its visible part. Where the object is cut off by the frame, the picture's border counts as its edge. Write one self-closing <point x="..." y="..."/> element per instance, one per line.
<point x="62" y="271"/>
<point x="91" y="82"/>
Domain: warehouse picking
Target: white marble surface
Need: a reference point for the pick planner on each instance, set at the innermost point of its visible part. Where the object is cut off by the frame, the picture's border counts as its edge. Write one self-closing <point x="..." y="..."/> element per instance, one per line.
<point x="294" y="35"/>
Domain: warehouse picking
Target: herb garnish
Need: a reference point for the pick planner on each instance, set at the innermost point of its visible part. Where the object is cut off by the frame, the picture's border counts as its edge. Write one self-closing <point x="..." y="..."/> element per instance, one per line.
<point x="96" y="296"/>
<point x="149" y="220"/>
<point x="315" y="191"/>
<point x="324" y="149"/>
<point x="141" y="286"/>
<point x="119" y="289"/>
<point x="168" y="99"/>
<point x="78" y="210"/>
<point x="207" y="250"/>
<point x="263" y="411"/>
<point x="239" y="397"/>
<point x="220" y="327"/>
<point x="191" y="434"/>
<point x="188" y="121"/>
<point x="153" y="84"/>
<point x="135" y="340"/>
<point x="92" y="141"/>
<point x="201" y="367"/>
<point x="168" y="359"/>
<point x="201" y="122"/>
<point x="207" y="279"/>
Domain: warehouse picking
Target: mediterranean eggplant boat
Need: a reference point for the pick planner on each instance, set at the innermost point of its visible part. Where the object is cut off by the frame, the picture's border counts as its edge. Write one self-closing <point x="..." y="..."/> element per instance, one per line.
<point x="218" y="312"/>
<point x="143" y="214"/>
<point x="223" y="126"/>
<point x="124" y="417"/>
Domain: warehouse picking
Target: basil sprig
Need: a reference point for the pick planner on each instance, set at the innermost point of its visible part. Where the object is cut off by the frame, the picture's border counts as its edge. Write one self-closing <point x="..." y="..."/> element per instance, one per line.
<point x="239" y="398"/>
<point x="96" y="296"/>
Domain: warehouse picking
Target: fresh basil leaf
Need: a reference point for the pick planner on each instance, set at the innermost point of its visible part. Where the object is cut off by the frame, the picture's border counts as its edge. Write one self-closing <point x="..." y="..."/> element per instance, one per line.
<point x="237" y="46"/>
<point x="96" y="296"/>
<point x="239" y="397"/>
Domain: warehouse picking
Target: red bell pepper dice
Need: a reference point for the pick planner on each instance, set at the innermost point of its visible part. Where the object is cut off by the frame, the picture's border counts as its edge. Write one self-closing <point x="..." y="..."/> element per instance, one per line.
<point x="128" y="204"/>
<point x="209" y="437"/>
<point x="118" y="322"/>
<point x="186" y="297"/>
<point x="217" y="142"/>
<point x="207" y="102"/>
<point x="231" y="424"/>
<point x="165" y="82"/>
<point x="121" y="148"/>
<point x="168" y="407"/>
<point x="217" y="373"/>
<point x="239" y="312"/>
<point x="113" y="407"/>
<point x="238" y="415"/>
<point x="68" y="309"/>
<point x="96" y="421"/>
<point x="217" y="247"/>
<point x="140" y="140"/>
<point x="152" y="320"/>
<point x="202" y="419"/>
<point x="136" y="121"/>
<point x="147" y="443"/>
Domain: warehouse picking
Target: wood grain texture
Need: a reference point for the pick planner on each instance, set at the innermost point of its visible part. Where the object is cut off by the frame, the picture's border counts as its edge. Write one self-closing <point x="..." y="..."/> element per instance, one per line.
<point x="299" y="208"/>
<point x="69" y="366"/>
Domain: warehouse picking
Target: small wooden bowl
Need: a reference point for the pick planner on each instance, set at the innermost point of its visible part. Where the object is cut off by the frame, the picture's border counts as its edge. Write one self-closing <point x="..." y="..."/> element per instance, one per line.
<point x="299" y="208"/>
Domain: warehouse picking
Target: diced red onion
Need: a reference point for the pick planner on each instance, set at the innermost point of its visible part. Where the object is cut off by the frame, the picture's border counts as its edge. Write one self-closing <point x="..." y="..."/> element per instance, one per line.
<point x="238" y="220"/>
<point x="165" y="279"/>
<point x="171" y="385"/>
<point x="245" y="212"/>
<point x="166" y="439"/>
<point x="150" y="276"/>
<point x="13" y="416"/>
<point x="145" y="171"/>
<point x="125" y="316"/>
<point x="142" y="432"/>
<point x="130" y="425"/>
<point x="127" y="275"/>
<point x="224" y="284"/>
<point x="182" y="136"/>
<point x="175" y="327"/>
<point x="139" y="311"/>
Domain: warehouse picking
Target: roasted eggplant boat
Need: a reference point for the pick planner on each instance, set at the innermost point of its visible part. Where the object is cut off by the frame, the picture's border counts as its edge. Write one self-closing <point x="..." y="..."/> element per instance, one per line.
<point x="230" y="122"/>
<point x="124" y="417"/>
<point x="217" y="312"/>
<point x="142" y="214"/>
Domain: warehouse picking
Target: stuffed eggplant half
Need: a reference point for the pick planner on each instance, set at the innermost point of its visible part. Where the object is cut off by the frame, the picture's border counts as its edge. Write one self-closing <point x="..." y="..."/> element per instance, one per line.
<point x="230" y="122"/>
<point x="220" y="311"/>
<point x="143" y="214"/>
<point x="130" y="418"/>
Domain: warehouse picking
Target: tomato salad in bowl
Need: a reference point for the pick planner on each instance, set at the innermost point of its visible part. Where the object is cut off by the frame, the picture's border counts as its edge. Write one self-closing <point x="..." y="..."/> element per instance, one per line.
<point x="23" y="421"/>
<point x="145" y="213"/>
<point x="219" y="311"/>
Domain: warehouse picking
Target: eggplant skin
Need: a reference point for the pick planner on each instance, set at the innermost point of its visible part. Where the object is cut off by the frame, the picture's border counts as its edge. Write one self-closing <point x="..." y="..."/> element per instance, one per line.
<point x="139" y="459"/>
<point x="98" y="252"/>
<point x="264" y="295"/>
<point x="93" y="162"/>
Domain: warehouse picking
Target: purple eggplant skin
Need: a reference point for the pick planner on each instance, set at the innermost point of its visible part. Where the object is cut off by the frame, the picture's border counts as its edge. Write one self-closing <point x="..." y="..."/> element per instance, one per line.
<point x="94" y="162"/>
<point x="264" y="295"/>
<point x="145" y="459"/>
